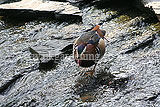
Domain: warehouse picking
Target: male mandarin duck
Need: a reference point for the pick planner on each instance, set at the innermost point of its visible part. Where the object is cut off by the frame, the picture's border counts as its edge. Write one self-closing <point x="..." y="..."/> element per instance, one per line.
<point x="89" y="48"/>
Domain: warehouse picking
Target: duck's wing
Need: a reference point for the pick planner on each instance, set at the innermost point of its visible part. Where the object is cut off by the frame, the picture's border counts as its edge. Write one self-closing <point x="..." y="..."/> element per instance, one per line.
<point x="84" y="38"/>
<point x="101" y="47"/>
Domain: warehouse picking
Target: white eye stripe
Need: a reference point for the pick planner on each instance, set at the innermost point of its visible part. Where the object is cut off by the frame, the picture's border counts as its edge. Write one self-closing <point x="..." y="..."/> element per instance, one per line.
<point x="75" y="46"/>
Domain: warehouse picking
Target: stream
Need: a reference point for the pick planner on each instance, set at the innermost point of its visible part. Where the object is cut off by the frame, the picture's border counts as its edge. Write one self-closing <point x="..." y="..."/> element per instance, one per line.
<point x="127" y="76"/>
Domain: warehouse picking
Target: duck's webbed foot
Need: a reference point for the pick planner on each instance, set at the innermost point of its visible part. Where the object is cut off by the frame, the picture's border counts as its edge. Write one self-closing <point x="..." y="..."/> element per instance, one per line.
<point x="90" y="73"/>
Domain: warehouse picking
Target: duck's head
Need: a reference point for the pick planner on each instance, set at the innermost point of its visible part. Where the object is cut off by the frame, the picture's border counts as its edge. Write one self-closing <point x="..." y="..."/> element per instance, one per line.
<point x="101" y="33"/>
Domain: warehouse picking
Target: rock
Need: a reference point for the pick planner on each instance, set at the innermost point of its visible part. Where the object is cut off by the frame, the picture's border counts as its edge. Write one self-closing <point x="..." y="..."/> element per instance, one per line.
<point x="50" y="54"/>
<point x="8" y="1"/>
<point x="49" y="58"/>
<point x="155" y="5"/>
<point x="130" y="79"/>
<point x="8" y="83"/>
<point x="3" y="1"/>
<point x="141" y="44"/>
<point x="38" y="8"/>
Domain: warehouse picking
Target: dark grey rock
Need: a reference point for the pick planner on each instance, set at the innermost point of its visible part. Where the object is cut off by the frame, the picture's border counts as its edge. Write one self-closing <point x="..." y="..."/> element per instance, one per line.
<point x="130" y="79"/>
<point x="40" y="9"/>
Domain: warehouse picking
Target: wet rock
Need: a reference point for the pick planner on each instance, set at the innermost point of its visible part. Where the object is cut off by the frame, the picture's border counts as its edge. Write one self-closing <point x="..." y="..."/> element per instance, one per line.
<point x="141" y="44"/>
<point x="36" y="9"/>
<point x="80" y="3"/>
<point x="154" y="5"/>
<point x="75" y="1"/>
<point x="8" y="1"/>
<point x="95" y="16"/>
<point x="5" y="87"/>
<point x="130" y="79"/>
<point x="49" y="55"/>
<point x="3" y="1"/>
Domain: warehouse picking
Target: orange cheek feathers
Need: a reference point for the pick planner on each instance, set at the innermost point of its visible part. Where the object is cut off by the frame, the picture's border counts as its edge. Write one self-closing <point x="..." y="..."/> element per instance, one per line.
<point x="95" y="28"/>
<point x="100" y="33"/>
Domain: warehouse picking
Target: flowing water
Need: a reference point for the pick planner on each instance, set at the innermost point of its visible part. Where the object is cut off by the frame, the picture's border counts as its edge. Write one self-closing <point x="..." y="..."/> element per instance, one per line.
<point x="127" y="75"/>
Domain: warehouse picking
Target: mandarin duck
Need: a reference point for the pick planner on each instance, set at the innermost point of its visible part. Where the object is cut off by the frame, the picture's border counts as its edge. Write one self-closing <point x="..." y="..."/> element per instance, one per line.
<point x="89" y="48"/>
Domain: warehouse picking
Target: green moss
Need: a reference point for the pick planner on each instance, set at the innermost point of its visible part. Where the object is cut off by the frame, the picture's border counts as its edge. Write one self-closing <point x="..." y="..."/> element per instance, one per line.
<point x="21" y="40"/>
<point x="112" y="12"/>
<point x="1" y="17"/>
<point x="156" y="26"/>
<point x="123" y="19"/>
<point x="104" y="11"/>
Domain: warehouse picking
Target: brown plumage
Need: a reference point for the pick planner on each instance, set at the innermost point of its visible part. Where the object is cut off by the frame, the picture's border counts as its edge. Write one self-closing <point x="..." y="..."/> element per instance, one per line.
<point x="89" y="48"/>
